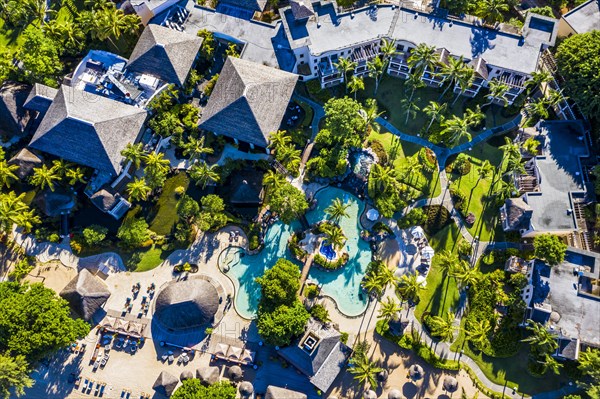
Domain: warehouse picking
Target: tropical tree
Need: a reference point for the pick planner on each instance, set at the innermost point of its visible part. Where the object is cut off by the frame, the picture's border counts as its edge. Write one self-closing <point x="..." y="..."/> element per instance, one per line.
<point x="505" y="190"/>
<point x="554" y="97"/>
<point x="443" y="327"/>
<point x="273" y="180"/>
<point x="389" y="309"/>
<point x="279" y="139"/>
<point x="382" y="177"/>
<point x="194" y="148"/>
<point x="408" y="287"/>
<point x="474" y="117"/>
<point x="497" y="91"/>
<point x="134" y="153"/>
<point x="355" y="84"/>
<point x="537" y="80"/>
<point x="12" y="208"/>
<point x="452" y="72"/>
<point x="491" y="11"/>
<point x="422" y="57"/>
<point x="334" y="235"/>
<point x="203" y="174"/>
<point x="531" y="145"/>
<point x="387" y="49"/>
<point x="138" y="189"/>
<point x="337" y="210"/>
<point x="435" y="111"/>
<point x="345" y="65"/>
<point x="484" y="171"/>
<point x="549" y="248"/>
<point x="413" y="83"/>
<point x="465" y="275"/>
<point x="365" y="371"/>
<point x="376" y="71"/>
<point x="156" y="163"/>
<point x="510" y="151"/>
<point x="370" y="113"/>
<point x="543" y="344"/>
<point x="537" y="108"/>
<point x="289" y="157"/>
<point x="75" y="175"/>
<point x="447" y="262"/>
<point x="14" y="375"/>
<point x="455" y="129"/>
<point x="411" y="108"/>
<point x="372" y="284"/>
<point x="477" y="332"/>
<point x="386" y="277"/>
<point x="44" y="177"/>
<point x="27" y="219"/>
<point x="464" y="81"/>
<point x="7" y="173"/>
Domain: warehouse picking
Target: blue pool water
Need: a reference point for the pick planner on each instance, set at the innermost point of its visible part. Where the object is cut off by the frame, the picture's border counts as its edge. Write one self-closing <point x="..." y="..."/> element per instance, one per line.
<point x="342" y="285"/>
<point x="327" y="251"/>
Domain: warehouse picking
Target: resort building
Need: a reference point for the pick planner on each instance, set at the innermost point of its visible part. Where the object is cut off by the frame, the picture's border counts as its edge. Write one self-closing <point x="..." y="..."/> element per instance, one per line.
<point x="582" y="19"/>
<point x="148" y="9"/>
<point x="14" y="117"/>
<point x="319" y="354"/>
<point x="274" y="392"/>
<point x="248" y="102"/>
<point x="553" y="189"/>
<point x="86" y="294"/>
<point x="318" y="42"/>
<point x="40" y="97"/>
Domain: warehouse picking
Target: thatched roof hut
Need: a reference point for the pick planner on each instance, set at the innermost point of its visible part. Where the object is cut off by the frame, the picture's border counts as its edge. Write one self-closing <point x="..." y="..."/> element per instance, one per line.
<point x="235" y="373"/>
<point x="186" y="375"/>
<point x="246" y="389"/>
<point x="13" y="117"/>
<point x="208" y="375"/>
<point x="26" y="161"/>
<point x="450" y="384"/>
<point x="165" y="383"/>
<point x="282" y="393"/>
<point x="86" y="294"/>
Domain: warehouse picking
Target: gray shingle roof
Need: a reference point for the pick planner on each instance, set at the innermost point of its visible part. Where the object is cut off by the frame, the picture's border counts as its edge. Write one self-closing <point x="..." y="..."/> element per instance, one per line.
<point x="88" y="129"/>
<point x="13" y="117"/>
<point x="86" y="294"/>
<point x="40" y="97"/>
<point x="165" y="53"/>
<point x="248" y="101"/>
<point x="165" y="383"/>
<point x="254" y="5"/>
<point x="302" y="9"/>
<point x="518" y="213"/>
<point x="480" y="67"/>
<point x="274" y="392"/>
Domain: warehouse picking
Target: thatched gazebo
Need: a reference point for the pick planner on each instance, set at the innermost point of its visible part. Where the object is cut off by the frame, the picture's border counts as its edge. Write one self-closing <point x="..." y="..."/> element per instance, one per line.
<point x="235" y="373"/>
<point x="165" y="383"/>
<point x="274" y="392"/>
<point x="208" y="375"/>
<point x="86" y="294"/>
<point x="416" y="372"/>
<point x="186" y="375"/>
<point x="246" y="389"/>
<point x="394" y="394"/>
<point x="370" y="394"/>
<point x="450" y="384"/>
<point x="26" y="161"/>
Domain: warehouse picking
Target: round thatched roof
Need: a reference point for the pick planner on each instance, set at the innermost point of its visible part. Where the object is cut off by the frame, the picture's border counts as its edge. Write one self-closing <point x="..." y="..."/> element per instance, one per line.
<point x="382" y="376"/>
<point x="394" y="394"/>
<point x="187" y="304"/>
<point x="370" y="394"/>
<point x="86" y="294"/>
<point x="246" y="389"/>
<point x="235" y="373"/>
<point x="186" y="375"/>
<point x="165" y="383"/>
<point x="208" y="375"/>
<point x="450" y="384"/>
<point x="416" y="372"/>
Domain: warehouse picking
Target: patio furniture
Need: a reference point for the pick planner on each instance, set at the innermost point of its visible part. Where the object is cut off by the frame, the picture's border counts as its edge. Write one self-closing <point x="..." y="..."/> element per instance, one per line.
<point x="394" y="394"/>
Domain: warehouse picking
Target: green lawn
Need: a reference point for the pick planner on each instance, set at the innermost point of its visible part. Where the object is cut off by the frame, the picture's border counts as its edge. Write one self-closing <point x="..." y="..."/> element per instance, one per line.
<point x="166" y="206"/>
<point x="151" y="258"/>
<point x="393" y="90"/>
<point x="441" y="293"/>
<point x="9" y="37"/>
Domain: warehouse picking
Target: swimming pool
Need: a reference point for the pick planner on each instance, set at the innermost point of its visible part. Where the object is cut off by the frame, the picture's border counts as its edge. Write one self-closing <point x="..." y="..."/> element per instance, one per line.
<point x="342" y="285"/>
<point x="328" y="252"/>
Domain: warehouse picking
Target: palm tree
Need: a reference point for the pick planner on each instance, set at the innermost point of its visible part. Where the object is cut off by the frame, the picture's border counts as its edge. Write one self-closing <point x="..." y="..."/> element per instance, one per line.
<point x="376" y="71"/>
<point x="452" y="72"/>
<point x="421" y="58"/>
<point x="61" y="166"/>
<point x="484" y="171"/>
<point x="411" y="107"/>
<point x="537" y="80"/>
<point x="435" y="111"/>
<point x="334" y="235"/>
<point x="337" y="210"/>
<point x="365" y="372"/>
<point x="446" y="262"/>
<point x="138" y="190"/>
<point x="510" y="150"/>
<point x="204" y="174"/>
<point x="408" y="288"/>
<point x="505" y="190"/>
<point x="279" y="139"/>
<point x="541" y="339"/>
<point x="413" y="83"/>
<point x="531" y="145"/>
<point x="537" y="108"/>
<point x="389" y="309"/>
<point x="372" y="284"/>
<point x="156" y="163"/>
<point x="465" y="275"/>
<point x="387" y="50"/>
<point x="355" y="84"/>
<point x="554" y="98"/>
<point x="381" y="177"/>
<point x="497" y="92"/>
<point x="27" y="219"/>
<point x="345" y="65"/>
<point x="443" y="327"/>
<point x="386" y="277"/>
<point x="194" y="148"/>
<point x="273" y="180"/>
<point x="456" y="128"/>
<point x="464" y="81"/>
<point x="370" y="113"/>
<point x="44" y="177"/>
<point x="7" y="175"/>
<point x="75" y="175"/>
<point x="474" y="117"/>
<point x="11" y="209"/>
<point x="477" y="333"/>
<point x="289" y="157"/>
<point x="134" y="153"/>
<point x="491" y="11"/>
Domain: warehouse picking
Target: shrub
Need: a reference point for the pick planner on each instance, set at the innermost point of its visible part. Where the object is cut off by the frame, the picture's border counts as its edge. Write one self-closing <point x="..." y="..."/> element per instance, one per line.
<point x="54" y="237"/>
<point x="134" y="232"/>
<point x="320" y="313"/>
<point x="21" y="269"/>
<point x="344" y="338"/>
<point x="415" y="217"/>
<point x="462" y="165"/>
<point x="76" y="246"/>
<point x="438" y="217"/>
<point x="331" y="265"/>
<point x="311" y="291"/>
<point x="211" y="85"/>
<point x="379" y="150"/>
<point x="94" y="234"/>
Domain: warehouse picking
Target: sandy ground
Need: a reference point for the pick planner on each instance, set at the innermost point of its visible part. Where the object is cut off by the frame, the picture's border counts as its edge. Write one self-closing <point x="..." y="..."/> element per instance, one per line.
<point x="390" y="254"/>
<point x="53" y="274"/>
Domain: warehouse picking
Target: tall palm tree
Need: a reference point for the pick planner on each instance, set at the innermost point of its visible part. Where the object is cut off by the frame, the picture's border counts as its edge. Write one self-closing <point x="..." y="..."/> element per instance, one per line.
<point x="443" y="327"/>
<point x="337" y="210"/>
<point x="484" y="170"/>
<point x="465" y="275"/>
<point x="421" y="58"/>
<point x="372" y="284"/>
<point x="61" y="166"/>
<point x="204" y="174"/>
<point x="289" y="157"/>
<point x="497" y="92"/>
<point x="75" y="175"/>
<point x="345" y="65"/>
<point x="537" y="108"/>
<point x="537" y="80"/>
<point x="334" y="236"/>
<point x="435" y="111"/>
<point x="279" y="139"/>
<point x="381" y="178"/>
<point x="44" y="177"/>
<point x="411" y="108"/>
<point x="452" y="72"/>
<point x="134" y="153"/>
<point x="370" y="113"/>
<point x="194" y="148"/>
<point x="464" y="81"/>
<point x="386" y="276"/>
<point x="541" y="339"/>
<point x="408" y="287"/>
<point x="138" y="190"/>
<point x="355" y="84"/>
<point x="474" y="117"/>
<point x="12" y="208"/>
<point x="447" y="262"/>
<point x="156" y="163"/>
<point x="389" y="309"/>
<point x="554" y="97"/>
<point x="477" y="333"/>
<point x="365" y="372"/>
<point x="7" y="173"/>
<point x="376" y="71"/>
<point x="456" y="128"/>
<point x="387" y="50"/>
<point x="510" y="150"/>
<point x="491" y="11"/>
<point x="505" y="190"/>
<point x="413" y="83"/>
<point x="273" y="180"/>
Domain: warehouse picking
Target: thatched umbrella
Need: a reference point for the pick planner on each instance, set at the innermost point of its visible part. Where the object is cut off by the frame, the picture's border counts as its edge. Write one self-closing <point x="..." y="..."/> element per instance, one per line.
<point x="450" y="384"/>
<point x="86" y="294"/>
<point x="394" y="394"/>
<point x="416" y="372"/>
<point x="165" y="383"/>
<point x="208" y="375"/>
<point x="186" y="375"/>
<point x="246" y="389"/>
<point x="370" y="394"/>
<point x="235" y="373"/>
<point x="382" y="376"/>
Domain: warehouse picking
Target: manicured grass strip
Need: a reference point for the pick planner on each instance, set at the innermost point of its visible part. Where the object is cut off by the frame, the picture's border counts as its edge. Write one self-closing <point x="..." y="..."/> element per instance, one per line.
<point x="151" y="258"/>
<point x="166" y="215"/>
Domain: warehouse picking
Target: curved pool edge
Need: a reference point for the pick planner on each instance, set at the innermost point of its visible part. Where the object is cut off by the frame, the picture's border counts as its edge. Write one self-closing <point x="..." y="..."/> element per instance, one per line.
<point x="234" y="282"/>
